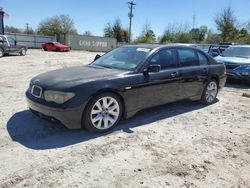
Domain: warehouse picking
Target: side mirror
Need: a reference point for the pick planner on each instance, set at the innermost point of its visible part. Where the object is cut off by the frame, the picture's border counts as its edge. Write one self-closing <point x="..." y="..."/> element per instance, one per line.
<point x="152" y="68"/>
<point x="97" y="57"/>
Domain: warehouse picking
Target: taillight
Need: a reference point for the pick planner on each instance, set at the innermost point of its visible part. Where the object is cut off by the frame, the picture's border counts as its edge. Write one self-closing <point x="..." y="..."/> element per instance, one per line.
<point x="225" y="70"/>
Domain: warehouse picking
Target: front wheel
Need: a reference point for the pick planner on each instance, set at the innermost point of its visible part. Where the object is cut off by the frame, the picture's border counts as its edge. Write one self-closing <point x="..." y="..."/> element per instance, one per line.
<point x="22" y="52"/>
<point x="210" y="92"/>
<point x="103" y="113"/>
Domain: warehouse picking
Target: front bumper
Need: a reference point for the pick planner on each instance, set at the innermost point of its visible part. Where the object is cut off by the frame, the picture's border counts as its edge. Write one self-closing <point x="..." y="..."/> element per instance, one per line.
<point x="238" y="76"/>
<point x="71" y="118"/>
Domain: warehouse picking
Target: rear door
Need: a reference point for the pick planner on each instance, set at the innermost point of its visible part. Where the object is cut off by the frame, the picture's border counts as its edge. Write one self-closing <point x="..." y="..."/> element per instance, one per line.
<point x="161" y="87"/>
<point x="193" y="71"/>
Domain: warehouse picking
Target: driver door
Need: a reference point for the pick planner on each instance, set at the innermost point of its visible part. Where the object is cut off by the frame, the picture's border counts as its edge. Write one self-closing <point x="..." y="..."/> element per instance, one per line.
<point x="160" y="87"/>
<point x="12" y="44"/>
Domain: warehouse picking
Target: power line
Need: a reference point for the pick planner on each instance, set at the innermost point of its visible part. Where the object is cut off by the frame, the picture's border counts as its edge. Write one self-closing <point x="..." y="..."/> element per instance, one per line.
<point x="130" y="15"/>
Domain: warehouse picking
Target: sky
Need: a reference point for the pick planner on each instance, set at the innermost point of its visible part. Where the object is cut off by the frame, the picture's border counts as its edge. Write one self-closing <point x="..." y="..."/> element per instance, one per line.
<point x="93" y="15"/>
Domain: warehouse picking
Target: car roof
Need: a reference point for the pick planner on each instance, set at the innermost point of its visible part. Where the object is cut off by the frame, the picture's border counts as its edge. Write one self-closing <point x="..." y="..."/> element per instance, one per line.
<point x="155" y="46"/>
<point x="242" y="46"/>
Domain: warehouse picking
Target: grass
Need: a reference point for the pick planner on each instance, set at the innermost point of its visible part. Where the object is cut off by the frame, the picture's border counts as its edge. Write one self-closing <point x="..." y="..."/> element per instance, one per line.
<point x="246" y="95"/>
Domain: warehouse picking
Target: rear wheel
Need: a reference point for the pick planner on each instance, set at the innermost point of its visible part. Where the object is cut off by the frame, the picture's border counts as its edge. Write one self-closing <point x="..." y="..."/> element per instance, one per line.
<point x="210" y="92"/>
<point x="45" y="49"/>
<point x="102" y="113"/>
<point x="22" y="52"/>
<point x="1" y="52"/>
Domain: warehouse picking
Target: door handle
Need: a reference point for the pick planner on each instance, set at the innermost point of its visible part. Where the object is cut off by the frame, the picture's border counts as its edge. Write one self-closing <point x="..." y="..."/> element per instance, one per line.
<point x="174" y="74"/>
<point x="205" y="70"/>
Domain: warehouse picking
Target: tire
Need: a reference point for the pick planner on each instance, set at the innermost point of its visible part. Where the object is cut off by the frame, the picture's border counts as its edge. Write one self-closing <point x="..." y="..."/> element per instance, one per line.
<point x="101" y="116"/>
<point x="23" y="52"/>
<point x="210" y="92"/>
<point x="1" y="52"/>
<point x="45" y="49"/>
<point x="58" y="49"/>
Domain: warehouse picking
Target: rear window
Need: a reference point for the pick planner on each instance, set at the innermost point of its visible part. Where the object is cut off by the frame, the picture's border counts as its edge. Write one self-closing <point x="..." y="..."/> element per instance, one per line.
<point x="187" y="57"/>
<point x="202" y="59"/>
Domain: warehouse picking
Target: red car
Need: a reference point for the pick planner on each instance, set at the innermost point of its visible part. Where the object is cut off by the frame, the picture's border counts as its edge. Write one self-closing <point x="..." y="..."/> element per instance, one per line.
<point x="55" y="46"/>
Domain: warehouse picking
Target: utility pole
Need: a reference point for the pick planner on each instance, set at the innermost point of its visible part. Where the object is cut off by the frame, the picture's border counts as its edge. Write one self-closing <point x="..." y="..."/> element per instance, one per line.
<point x="1" y="21"/>
<point x="27" y="28"/>
<point x="194" y="20"/>
<point x="130" y="15"/>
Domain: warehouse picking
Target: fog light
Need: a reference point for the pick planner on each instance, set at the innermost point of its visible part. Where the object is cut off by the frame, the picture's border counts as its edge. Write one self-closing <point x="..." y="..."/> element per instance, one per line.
<point x="245" y="74"/>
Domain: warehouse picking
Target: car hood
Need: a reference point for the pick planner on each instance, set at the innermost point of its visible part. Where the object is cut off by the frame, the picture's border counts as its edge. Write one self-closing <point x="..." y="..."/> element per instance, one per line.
<point x="62" y="46"/>
<point x="237" y="60"/>
<point x="74" y="76"/>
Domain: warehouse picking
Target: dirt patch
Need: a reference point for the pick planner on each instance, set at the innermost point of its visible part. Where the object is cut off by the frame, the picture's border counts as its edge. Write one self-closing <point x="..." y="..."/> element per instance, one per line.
<point x="185" y="144"/>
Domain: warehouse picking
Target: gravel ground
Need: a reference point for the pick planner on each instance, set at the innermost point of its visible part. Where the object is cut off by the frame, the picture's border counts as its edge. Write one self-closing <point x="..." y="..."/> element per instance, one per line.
<point x="185" y="144"/>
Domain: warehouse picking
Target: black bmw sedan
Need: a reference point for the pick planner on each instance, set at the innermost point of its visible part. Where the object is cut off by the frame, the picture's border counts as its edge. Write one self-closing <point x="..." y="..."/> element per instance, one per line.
<point x="123" y="82"/>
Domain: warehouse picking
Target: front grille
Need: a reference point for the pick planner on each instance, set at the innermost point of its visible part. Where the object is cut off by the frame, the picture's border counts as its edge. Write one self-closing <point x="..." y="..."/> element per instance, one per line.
<point x="36" y="91"/>
<point x="232" y="66"/>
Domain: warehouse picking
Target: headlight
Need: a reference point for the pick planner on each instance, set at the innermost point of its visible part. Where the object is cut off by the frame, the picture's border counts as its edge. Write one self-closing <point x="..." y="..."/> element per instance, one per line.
<point x="245" y="73"/>
<point x="248" y="67"/>
<point x="57" y="96"/>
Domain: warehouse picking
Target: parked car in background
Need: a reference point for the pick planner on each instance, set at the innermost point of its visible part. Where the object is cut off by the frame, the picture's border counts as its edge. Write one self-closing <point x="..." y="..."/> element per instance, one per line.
<point x="8" y="45"/>
<point x="124" y="81"/>
<point x="237" y="61"/>
<point x="216" y="49"/>
<point x="55" y="46"/>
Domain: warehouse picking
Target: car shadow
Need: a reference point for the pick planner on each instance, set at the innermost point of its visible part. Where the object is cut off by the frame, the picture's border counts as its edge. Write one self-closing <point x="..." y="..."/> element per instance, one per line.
<point x="38" y="134"/>
<point x="237" y="84"/>
<point x="11" y="55"/>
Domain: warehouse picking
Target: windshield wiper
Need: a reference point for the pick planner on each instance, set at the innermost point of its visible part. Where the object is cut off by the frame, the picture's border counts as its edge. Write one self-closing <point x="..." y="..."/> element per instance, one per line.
<point x="105" y="66"/>
<point x="241" y="56"/>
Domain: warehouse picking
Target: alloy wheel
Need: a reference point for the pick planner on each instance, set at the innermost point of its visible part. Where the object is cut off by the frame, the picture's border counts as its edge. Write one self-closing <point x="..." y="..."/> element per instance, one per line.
<point x="105" y="113"/>
<point x="211" y="91"/>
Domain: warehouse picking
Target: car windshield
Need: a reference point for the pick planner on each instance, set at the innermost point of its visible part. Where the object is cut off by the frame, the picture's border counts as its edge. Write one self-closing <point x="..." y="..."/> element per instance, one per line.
<point x="243" y="52"/>
<point x="125" y="58"/>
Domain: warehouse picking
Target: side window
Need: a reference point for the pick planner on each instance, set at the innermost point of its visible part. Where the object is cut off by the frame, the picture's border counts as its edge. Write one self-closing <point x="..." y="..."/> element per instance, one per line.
<point x="5" y="42"/>
<point x="202" y="59"/>
<point x="11" y="41"/>
<point x="187" y="57"/>
<point x="165" y="58"/>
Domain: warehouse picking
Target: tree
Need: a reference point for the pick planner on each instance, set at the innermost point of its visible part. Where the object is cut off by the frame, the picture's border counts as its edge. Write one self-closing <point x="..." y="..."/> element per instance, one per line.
<point x="248" y="26"/>
<point x="198" y="34"/>
<point x="147" y="35"/>
<point x="226" y="23"/>
<point x="87" y="33"/>
<point x="243" y="36"/>
<point x="67" y="24"/>
<point x="176" y="33"/>
<point x="116" y="30"/>
<point x="11" y="29"/>
<point x="212" y="38"/>
<point x="30" y="31"/>
<point x="62" y="24"/>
